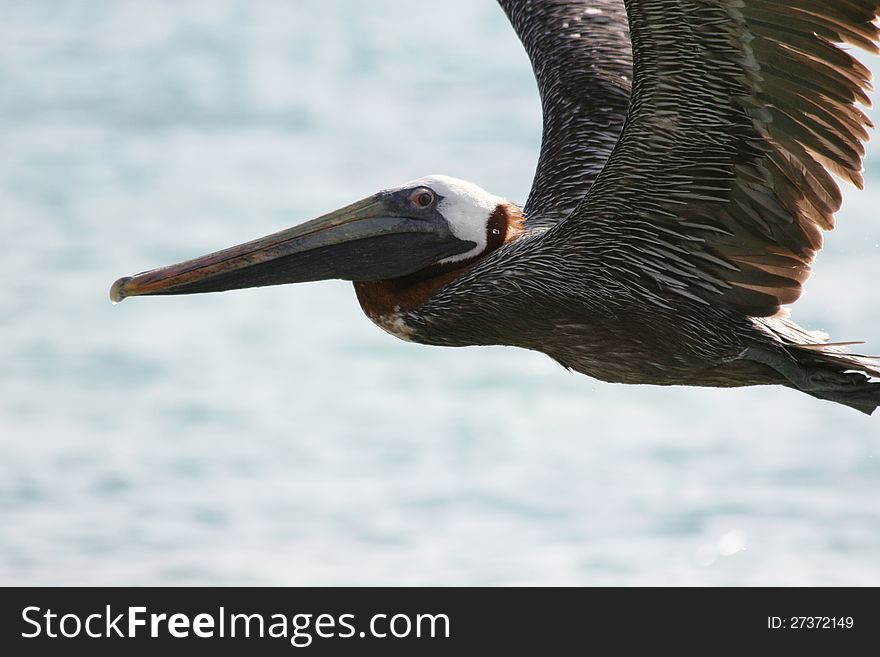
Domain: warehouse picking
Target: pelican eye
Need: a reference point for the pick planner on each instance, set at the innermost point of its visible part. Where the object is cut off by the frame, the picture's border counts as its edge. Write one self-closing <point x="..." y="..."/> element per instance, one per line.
<point x="422" y="198"/>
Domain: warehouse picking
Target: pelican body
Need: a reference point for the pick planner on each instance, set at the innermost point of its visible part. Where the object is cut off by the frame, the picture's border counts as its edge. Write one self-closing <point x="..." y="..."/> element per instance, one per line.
<point x="681" y="192"/>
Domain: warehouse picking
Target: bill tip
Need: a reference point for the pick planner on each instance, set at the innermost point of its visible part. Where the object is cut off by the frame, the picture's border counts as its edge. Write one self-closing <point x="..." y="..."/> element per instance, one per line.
<point x="117" y="291"/>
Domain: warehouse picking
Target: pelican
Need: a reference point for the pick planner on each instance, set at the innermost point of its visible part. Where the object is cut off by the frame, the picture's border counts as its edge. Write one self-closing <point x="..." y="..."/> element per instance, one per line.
<point x="686" y="175"/>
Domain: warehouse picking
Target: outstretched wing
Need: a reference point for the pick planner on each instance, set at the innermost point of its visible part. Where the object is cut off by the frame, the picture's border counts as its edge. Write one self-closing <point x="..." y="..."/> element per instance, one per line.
<point x="721" y="183"/>
<point x="580" y="52"/>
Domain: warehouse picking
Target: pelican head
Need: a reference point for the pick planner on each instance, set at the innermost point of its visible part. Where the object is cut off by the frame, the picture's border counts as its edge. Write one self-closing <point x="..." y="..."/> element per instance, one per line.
<point x="421" y="230"/>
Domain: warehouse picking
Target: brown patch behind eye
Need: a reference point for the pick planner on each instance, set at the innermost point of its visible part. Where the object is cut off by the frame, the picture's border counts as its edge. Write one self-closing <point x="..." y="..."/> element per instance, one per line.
<point x="393" y="296"/>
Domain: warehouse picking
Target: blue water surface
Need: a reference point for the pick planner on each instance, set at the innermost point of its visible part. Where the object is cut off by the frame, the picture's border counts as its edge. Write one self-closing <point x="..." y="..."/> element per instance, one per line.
<point x="275" y="436"/>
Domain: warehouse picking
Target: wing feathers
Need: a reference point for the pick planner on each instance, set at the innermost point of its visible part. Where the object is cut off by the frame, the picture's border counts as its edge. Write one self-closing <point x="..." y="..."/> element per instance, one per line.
<point x="581" y="55"/>
<point x="743" y="112"/>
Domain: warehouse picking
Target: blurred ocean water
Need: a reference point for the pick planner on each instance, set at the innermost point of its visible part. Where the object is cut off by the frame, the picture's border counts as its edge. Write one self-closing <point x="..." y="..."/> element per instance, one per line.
<point x="275" y="436"/>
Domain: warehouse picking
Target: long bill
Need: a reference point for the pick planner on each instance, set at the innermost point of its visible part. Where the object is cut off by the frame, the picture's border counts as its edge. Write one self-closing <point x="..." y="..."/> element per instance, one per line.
<point x="367" y="240"/>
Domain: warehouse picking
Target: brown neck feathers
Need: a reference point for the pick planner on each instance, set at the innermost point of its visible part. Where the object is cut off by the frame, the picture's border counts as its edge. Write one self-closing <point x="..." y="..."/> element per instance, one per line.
<point x="389" y="297"/>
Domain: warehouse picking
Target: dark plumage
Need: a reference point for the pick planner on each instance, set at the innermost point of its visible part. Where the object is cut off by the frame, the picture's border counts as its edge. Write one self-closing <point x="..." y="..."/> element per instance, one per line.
<point x="664" y="231"/>
<point x="584" y="82"/>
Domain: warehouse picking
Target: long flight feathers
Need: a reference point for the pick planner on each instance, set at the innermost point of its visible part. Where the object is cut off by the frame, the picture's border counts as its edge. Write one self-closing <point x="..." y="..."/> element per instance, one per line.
<point x="743" y="112"/>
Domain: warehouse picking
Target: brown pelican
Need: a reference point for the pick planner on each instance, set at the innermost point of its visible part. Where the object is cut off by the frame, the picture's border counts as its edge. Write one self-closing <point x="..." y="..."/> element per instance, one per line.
<point x="664" y="232"/>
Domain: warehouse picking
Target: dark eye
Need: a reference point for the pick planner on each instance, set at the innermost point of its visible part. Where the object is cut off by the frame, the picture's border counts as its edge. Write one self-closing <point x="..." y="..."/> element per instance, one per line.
<point x="422" y="198"/>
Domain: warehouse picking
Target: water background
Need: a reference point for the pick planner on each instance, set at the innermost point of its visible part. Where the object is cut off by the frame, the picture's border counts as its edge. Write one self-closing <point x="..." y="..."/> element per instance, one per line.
<point x="275" y="436"/>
